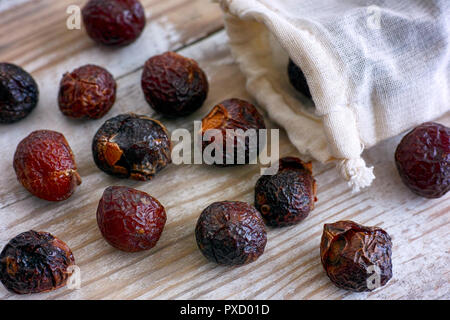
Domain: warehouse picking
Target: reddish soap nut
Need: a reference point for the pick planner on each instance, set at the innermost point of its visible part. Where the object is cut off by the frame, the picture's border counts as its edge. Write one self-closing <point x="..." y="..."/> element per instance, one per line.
<point x="130" y="220"/>
<point x="287" y="197"/>
<point x="231" y="233"/>
<point x="34" y="262"/>
<point x="132" y="146"/>
<point x="423" y="160"/>
<point x="114" y="22"/>
<point x="355" y="257"/>
<point x="242" y="118"/>
<point x="45" y="165"/>
<point x="19" y="93"/>
<point x="298" y="79"/>
<point x="174" y="85"/>
<point x="88" y="92"/>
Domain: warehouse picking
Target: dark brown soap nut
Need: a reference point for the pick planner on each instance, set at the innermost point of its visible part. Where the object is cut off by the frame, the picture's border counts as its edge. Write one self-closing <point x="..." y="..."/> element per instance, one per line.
<point x="354" y="256"/>
<point x="34" y="262"/>
<point x="231" y="233"/>
<point x="423" y="160"/>
<point x="129" y="219"/>
<point x="287" y="197"/>
<point x="114" y="22"/>
<point x="174" y="85"/>
<point x="87" y="92"/>
<point x="132" y="146"/>
<point x="19" y="93"/>
<point x="298" y="79"/>
<point x="233" y="114"/>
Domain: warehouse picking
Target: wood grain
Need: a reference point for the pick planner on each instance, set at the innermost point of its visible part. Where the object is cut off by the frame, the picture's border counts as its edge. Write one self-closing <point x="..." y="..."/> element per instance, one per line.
<point x="290" y="267"/>
<point x="35" y="35"/>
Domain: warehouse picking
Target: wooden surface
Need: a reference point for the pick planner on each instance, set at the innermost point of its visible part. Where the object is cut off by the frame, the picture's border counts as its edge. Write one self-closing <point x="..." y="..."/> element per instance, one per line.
<point x="34" y="35"/>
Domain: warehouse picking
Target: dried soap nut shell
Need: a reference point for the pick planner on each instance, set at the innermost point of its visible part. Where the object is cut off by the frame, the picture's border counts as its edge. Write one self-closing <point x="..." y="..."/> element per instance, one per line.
<point x="423" y="160"/>
<point x="287" y="197"/>
<point x="19" y="93"/>
<point x="231" y="233"/>
<point x="34" y="262"/>
<point x="129" y="219"/>
<point x="174" y="85"/>
<point x="132" y="146"/>
<point x="45" y="165"/>
<point x="88" y="92"/>
<point x="114" y="22"/>
<point x="298" y="79"/>
<point x="234" y="114"/>
<point x="355" y="257"/>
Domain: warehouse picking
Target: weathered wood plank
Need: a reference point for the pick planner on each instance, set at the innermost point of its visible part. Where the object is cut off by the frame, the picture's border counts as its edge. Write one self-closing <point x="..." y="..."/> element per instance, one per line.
<point x="35" y="36"/>
<point x="175" y="269"/>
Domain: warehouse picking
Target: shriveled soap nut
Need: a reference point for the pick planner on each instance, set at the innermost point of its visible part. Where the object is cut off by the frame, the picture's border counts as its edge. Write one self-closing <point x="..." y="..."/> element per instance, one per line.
<point x="237" y="115"/>
<point x="423" y="160"/>
<point x="174" y="85"/>
<point x="34" y="262"/>
<point x="45" y="165"/>
<point x="114" y="22"/>
<point x="231" y="233"/>
<point x="356" y="257"/>
<point x="132" y="146"/>
<point x="287" y="197"/>
<point x="298" y="79"/>
<point x="129" y="219"/>
<point x="87" y="92"/>
<point x="19" y="93"/>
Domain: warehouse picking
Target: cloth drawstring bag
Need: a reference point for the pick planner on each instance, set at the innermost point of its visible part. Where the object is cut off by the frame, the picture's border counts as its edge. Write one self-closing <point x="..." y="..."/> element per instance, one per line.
<point x="374" y="68"/>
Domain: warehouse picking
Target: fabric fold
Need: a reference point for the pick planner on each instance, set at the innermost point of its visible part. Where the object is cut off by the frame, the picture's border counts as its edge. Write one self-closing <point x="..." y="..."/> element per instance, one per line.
<point x="354" y="92"/>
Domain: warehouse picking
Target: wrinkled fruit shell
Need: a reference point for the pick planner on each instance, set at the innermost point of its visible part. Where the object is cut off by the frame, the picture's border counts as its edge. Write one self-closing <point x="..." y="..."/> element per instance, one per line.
<point x="88" y="92"/>
<point x="298" y="79"/>
<point x="349" y="251"/>
<point x="174" y="85"/>
<point x="132" y="146"/>
<point x="19" y="93"/>
<point x="130" y="220"/>
<point x="45" y="165"/>
<point x="423" y="160"/>
<point x="234" y="114"/>
<point x="34" y="262"/>
<point x="287" y="197"/>
<point x="231" y="233"/>
<point x="114" y="22"/>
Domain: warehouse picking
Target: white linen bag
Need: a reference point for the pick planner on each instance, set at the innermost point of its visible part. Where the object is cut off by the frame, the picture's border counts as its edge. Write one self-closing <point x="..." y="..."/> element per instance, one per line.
<point x="375" y="69"/>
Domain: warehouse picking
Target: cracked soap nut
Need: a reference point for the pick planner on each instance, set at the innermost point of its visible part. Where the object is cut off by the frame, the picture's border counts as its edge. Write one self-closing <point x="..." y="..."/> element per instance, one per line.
<point x="354" y="255"/>
<point x="129" y="219"/>
<point x="132" y="146"/>
<point x="19" y="93"/>
<point x="423" y="160"/>
<point x="233" y="114"/>
<point x="287" y="197"/>
<point x="231" y="233"/>
<point x="114" y="22"/>
<point x="45" y="165"/>
<point x="174" y="85"/>
<point x="298" y="79"/>
<point x="34" y="262"/>
<point x="87" y="92"/>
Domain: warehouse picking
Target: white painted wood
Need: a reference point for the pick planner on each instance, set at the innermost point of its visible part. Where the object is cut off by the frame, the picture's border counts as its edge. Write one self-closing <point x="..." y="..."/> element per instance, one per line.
<point x="9" y="4"/>
<point x="290" y="267"/>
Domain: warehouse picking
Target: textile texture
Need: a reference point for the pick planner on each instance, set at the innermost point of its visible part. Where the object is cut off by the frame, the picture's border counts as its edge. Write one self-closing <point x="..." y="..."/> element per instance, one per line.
<point x="374" y="68"/>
